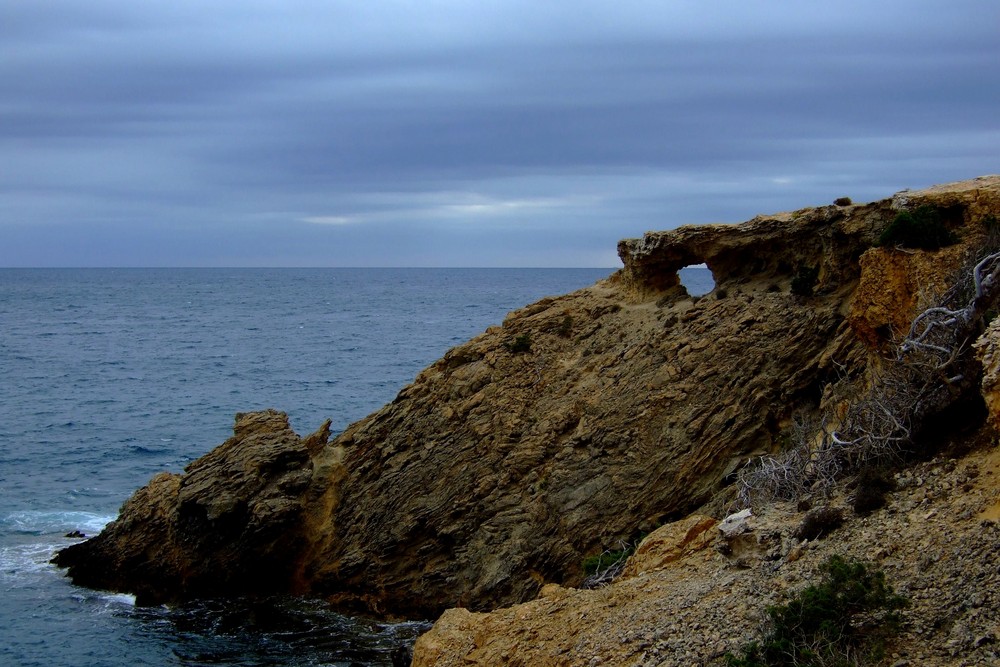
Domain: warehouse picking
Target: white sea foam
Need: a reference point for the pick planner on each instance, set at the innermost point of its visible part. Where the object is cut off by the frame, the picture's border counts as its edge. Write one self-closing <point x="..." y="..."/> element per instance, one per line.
<point x="30" y="539"/>
<point x="119" y="599"/>
<point x="19" y="562"/>
<point x="45" y="522"/>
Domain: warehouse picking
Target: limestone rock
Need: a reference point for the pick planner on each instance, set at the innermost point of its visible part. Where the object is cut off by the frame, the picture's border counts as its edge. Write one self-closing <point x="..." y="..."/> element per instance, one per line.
<point x="988" y="347"/>
<point x="583" y="421"/>
<point x="896" y="284"/>
<point x="937" y="553"/>
<point x="737" y="523"/>
<point x="763" y="251"/>
<point x="670" y="543"/>
<point x="230" y="524"/>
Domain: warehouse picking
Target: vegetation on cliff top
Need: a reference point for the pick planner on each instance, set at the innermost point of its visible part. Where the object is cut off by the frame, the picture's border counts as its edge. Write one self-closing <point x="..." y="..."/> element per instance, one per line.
<point x="923" y="229"/>
<point x="844" y="620"/>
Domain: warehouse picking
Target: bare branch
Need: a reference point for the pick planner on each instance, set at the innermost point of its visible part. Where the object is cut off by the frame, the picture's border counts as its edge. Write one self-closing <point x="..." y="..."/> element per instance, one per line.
<point x="925" y="375"/>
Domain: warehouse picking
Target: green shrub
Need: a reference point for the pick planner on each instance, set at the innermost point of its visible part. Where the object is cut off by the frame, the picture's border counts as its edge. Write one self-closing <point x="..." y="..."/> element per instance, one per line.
<point x="922" y="229"/>
<point x="605" y="567"/>
<point x="605" y="561"/>
<point x="805" y="280"/>
<point x="843" y="620"/>
<point x="520" y="343"/>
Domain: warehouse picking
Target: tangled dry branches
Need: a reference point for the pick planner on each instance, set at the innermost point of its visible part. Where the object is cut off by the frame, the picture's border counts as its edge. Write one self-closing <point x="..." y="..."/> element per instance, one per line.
<point x="930" y="371"/>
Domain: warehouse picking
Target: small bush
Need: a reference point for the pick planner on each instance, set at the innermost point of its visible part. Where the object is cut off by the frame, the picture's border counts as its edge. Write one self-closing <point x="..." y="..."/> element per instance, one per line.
<point x="805" y="280"/>
<point x="844" y="620"/>
<point x="604" y="561"/>
<point x="921" y="229"/>
<point x="842" y="201"/>
<point x="605" y="567"/>
<point x="565" y="329"/>
<point x="871" y="487"/>
<point x="819" y="522"/>
<point x="721" y="293"/>
<point x="520" y="343"/>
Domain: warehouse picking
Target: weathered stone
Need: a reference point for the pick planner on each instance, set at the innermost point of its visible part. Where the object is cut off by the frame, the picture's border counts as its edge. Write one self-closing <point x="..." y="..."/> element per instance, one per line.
<point x="671" y="543"/>
<point x="736" y="524"/>
<point x="988" y="348"/>
<point x="696" y="608"/>
<point x="497" y="471"/>
<point x="227" y="525"/>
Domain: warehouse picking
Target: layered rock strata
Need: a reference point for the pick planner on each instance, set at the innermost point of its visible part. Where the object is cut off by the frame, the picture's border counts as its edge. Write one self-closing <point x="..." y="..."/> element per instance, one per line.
<point x="582" y="421"/>
<point x="227" y="525"/>
<point x="690" y="598"/>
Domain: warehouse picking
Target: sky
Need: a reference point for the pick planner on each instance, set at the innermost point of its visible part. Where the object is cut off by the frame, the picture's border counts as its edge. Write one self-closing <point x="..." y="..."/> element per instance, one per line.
<point x="458" y="133"/>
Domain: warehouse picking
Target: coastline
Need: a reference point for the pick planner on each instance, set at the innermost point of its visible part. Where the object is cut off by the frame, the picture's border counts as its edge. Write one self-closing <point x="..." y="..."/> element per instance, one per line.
<point x="575" y="425"/>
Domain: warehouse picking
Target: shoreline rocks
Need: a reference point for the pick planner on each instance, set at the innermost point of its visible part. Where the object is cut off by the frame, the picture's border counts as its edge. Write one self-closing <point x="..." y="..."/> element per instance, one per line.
<point x="583" y="421"/>
<point x="231" y="524"/>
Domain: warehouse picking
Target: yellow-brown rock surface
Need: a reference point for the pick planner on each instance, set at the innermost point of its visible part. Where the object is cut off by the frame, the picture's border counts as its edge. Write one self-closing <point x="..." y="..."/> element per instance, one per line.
<point x="583" y="421"/>
<point x="988" y="347"/>
<point x="670" y="543"/>
<point x="936" y="542"/>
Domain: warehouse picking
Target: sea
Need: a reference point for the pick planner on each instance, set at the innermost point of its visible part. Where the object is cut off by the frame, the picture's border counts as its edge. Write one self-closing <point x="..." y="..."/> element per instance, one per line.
<point x="109" y="376"/>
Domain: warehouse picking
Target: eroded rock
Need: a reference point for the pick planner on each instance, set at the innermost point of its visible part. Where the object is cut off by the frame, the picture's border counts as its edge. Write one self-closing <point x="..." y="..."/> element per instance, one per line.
<point x="232" y="523"/>
<point x="692" y="610"/>
<point x="988" y="349"/>
<point x="506" y="463"/>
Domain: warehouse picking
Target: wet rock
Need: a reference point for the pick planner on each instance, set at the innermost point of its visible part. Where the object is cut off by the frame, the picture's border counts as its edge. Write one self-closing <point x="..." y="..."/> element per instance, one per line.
<point x="227" y="525"/>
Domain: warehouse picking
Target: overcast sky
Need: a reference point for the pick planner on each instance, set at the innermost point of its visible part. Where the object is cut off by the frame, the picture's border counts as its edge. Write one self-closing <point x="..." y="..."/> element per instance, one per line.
<point x="458" y="133"/>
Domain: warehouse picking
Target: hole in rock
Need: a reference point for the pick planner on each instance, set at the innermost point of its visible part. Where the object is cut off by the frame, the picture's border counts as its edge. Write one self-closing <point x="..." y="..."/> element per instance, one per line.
<point x="697" y="279"/>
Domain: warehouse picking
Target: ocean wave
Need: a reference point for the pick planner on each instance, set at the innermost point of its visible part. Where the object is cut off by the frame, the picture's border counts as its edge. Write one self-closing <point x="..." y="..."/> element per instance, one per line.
<point x="145" y="450"/>
<point x="51" y="522"/>
<point x="102" y="600"/>
<point x="19" y="560"/>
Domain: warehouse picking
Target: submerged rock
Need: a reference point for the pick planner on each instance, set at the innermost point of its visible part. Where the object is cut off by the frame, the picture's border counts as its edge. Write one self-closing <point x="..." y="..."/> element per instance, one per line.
<point x="582" y="422"/>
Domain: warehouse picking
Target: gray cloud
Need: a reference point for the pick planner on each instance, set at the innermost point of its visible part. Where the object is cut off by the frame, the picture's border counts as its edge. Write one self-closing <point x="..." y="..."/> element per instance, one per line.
<point x="447" y="133"/>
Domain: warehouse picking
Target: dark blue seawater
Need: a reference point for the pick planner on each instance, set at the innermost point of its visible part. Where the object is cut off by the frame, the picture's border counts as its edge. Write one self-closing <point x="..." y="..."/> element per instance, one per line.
<point x="112" y="375"/>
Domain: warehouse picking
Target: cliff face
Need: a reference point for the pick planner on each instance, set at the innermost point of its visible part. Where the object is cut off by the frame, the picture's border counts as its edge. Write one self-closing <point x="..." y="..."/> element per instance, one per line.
<point x="582" y="421"/>
<point x="683" y="602"/>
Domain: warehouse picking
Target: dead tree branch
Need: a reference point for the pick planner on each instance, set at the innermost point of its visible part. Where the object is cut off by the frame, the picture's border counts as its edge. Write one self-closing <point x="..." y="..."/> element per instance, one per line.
<point x="930" y="371"/>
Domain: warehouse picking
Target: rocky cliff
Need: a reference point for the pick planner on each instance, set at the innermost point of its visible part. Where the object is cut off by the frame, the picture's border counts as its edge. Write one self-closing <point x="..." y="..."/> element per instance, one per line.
<point x="687" y="600"/>
<point x="582" y="422"/>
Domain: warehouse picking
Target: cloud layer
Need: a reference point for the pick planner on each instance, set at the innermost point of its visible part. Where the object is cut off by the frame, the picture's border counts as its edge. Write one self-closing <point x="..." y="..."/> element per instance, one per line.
<point x="450" y="133"/>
